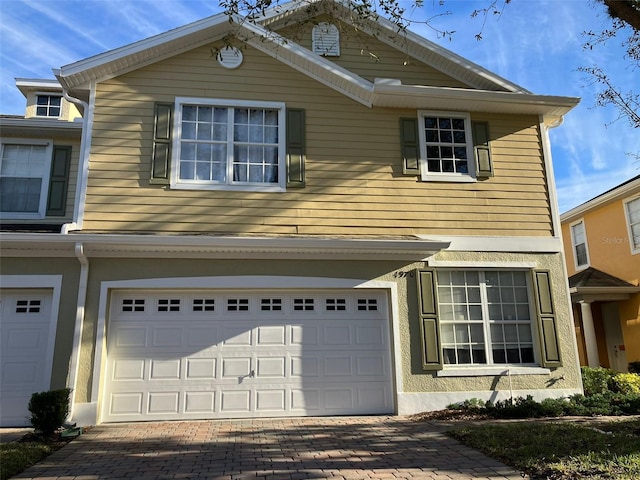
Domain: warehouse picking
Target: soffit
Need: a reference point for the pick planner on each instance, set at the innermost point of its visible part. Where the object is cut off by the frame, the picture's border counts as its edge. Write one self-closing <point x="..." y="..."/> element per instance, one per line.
<point x="40" y="127"/>
<point x="161" y="246"/>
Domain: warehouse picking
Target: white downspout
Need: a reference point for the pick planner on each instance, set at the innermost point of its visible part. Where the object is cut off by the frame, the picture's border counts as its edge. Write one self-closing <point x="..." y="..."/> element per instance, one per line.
<point x="555" y="216"/>
<point x="83" y="162"/>
<point x="74" y="361"/>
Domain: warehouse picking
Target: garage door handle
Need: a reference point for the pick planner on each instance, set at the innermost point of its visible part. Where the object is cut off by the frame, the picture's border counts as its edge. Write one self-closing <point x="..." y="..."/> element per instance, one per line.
<point x="252" y="374"/>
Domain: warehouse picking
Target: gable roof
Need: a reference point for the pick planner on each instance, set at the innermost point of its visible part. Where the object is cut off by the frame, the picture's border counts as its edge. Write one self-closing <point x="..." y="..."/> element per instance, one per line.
<point x="493" y="94"/>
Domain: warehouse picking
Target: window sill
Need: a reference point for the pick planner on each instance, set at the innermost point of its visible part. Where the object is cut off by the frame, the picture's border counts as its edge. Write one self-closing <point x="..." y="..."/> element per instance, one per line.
<point x="491" y="371"/>
<point x="448" y="178"/>
<point x="242" y="188"/>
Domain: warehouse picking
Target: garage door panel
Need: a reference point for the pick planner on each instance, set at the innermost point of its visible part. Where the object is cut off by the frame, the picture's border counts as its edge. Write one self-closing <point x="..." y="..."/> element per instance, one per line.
<point x="270" y="400"/>
<point x="167" y="337"/>
<point x="223" y="355"/>
<point x="201" y="368"/>
<point x="270" y="367"/>
<point x="235" y="401"/>
<point x="25" y="330"/>
<point x="128" y="369"/>
<point x="163" y="403"/>
<point x="199" y="402"/>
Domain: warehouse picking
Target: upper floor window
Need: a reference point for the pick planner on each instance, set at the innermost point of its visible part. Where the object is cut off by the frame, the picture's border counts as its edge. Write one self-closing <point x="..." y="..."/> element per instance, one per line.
<point x="579" y="242"/>
<point x="24" y="174"/>
<point x="446" y="146"/>
<point x="48" y="105"/>
<point x="632" y="210"/>
<point x="485" y="317"/>
<point x="229" y="145"/>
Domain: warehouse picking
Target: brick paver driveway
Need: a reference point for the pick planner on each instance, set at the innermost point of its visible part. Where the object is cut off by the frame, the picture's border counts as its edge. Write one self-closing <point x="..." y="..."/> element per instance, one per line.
<point x="298" y="448"/>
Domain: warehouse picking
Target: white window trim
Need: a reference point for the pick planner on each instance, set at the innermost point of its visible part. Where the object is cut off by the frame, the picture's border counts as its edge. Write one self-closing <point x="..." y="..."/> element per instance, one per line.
<point x="44" y="189"/>
<point x="573" y="245"/>
<point x="177" y="135"/>
<point x="634" y="250"/>
<point x="48" y="94"/>
<point x="454" y="370"/>
<point x="427" y="176"/>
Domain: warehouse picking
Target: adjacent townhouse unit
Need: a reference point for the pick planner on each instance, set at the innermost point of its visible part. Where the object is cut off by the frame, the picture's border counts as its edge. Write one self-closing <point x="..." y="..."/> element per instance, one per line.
<point x="270" y="221"/>
<point x="602" y="245"/>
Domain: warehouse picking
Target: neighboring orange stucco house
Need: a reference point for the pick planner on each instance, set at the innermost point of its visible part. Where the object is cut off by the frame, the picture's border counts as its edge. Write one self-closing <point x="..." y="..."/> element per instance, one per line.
<point x="602" y="244"/>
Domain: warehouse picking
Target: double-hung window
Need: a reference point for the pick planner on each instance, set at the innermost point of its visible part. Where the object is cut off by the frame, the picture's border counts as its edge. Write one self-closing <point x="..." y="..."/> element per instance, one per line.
<point x="485" y="317"/>
<point x="48" y="105"/>
<point x="446" y="146"/>
<point x="221" y="144"/>
<point x="579" y="242"/>
<point x="632" y="210"/>
<point x="24" y="177"/>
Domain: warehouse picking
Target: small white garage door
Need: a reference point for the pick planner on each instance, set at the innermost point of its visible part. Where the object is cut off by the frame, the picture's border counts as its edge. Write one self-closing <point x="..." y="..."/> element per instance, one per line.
<point x="212" y="354"/>
<point x="25" y="368"/>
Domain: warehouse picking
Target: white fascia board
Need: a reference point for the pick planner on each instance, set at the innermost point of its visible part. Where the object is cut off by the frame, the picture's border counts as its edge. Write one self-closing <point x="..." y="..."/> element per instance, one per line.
<point x="134" y="55"/>
<point x="174" y="246"/>
<point x="26" y="85"/>
<point x="447" y="98"/>
<point x="472" y="243"/>
<point x="619" y="193"/>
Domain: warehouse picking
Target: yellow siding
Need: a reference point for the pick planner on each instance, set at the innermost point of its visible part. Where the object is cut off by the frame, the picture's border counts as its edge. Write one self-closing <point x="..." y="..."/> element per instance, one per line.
<point x="354" y="181"/>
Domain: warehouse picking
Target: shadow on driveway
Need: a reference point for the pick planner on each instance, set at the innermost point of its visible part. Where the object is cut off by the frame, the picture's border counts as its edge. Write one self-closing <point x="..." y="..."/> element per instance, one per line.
<point x="297" y="448"/>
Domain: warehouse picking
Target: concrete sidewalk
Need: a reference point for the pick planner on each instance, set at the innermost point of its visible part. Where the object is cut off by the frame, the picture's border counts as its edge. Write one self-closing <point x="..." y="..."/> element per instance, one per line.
<point x="297" y="448"/>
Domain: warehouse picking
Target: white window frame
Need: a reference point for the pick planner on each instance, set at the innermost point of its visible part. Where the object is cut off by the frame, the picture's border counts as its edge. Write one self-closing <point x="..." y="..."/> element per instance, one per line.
<point x="175" y="181"/>
<point x="46" y="175"/>
<point x="426" y="175"/>
<point x="635" y="249"/>
<point x="574" y="244"/>
<point x="48" y="106"/>
<point x="490" y="365"/>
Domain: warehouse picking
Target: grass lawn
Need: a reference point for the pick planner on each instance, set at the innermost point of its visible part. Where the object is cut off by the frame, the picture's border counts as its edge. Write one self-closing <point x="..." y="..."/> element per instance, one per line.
<point x="15" y="457"/>
<point x="562" y="450"/>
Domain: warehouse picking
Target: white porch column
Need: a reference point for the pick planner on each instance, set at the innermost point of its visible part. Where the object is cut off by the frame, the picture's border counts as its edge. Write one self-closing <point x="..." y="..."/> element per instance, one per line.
<point x="591" y="344"/>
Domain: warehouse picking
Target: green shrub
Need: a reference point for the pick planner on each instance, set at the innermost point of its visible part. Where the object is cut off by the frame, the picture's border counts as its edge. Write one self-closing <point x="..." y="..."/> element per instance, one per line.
<point x="596" y="380"/>
<point x="626" y="383"/>
<point x="470" y="404"/>
<point x="49" y="410"/>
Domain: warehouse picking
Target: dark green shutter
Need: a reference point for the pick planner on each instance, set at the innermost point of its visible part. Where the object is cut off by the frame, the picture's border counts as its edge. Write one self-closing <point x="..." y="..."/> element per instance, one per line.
<point x="410" y="146"/>
<point x="59" y="181"/>
<point x="161" y="155"/>
<point x="481" y="150"/>
<point x="429" y="327"/>
<point x="547" y="327"/>
<point x="295" y="148"/>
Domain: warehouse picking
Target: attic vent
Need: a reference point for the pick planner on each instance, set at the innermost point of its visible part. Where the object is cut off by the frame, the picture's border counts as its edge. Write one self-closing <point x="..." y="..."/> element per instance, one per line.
<point x="230" y="57"/>
<point x="326" y="40"/>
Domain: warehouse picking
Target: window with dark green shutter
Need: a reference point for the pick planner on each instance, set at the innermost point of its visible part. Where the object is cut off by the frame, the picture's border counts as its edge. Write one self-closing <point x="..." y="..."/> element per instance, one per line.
<point x="59" y="181"/>
<point x="485" y="317"/>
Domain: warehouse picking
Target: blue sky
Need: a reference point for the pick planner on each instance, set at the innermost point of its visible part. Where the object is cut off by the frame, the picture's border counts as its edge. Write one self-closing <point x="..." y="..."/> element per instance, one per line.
<point x="534" y="43"/>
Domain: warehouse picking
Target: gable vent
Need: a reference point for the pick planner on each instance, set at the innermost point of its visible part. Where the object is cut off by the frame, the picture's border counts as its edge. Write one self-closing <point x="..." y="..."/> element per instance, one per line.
<point x="326" y="40"/>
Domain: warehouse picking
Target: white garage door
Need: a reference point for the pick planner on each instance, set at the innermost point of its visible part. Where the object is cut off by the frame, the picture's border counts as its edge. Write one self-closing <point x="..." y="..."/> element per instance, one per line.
<point x="194" y="355"/>
<point x="25" y="368"/>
